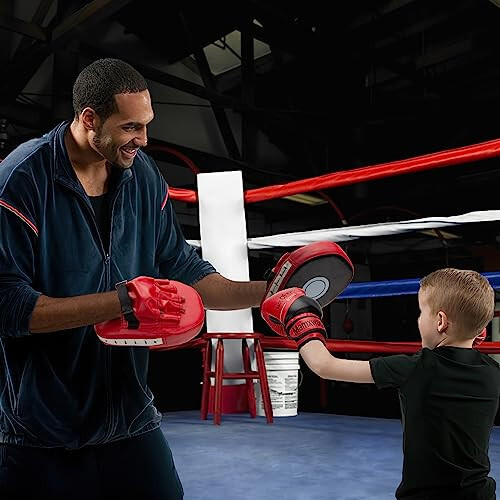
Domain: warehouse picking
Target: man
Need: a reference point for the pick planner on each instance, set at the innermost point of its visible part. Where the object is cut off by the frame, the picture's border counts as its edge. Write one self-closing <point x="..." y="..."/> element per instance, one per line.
<point x="81" y="209"/>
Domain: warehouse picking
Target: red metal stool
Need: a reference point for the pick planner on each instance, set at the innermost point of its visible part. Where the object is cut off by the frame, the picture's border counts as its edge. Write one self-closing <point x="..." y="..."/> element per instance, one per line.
<point x="247" y="373"/>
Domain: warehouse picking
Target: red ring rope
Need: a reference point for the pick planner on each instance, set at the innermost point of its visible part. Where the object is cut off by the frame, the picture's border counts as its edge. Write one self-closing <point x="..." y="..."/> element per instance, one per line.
<point x="336" y="345"/>
<point x="457" y="156"/>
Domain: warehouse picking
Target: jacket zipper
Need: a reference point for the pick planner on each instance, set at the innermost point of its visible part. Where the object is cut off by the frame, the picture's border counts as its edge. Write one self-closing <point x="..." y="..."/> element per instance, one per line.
<point x="109" y="412"/>
<point x="107" y="269"/>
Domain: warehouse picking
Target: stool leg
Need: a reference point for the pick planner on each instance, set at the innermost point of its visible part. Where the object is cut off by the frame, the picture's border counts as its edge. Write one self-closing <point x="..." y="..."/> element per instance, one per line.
<point x="249" y="382"/>
<point x="219" y="372"/>
<point x="207" y="367"/>
<point x="264" y="386"/>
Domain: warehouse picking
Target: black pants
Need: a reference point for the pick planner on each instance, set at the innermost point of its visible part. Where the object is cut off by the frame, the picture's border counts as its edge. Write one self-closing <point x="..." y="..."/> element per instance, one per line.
<point x="137" y="468"/>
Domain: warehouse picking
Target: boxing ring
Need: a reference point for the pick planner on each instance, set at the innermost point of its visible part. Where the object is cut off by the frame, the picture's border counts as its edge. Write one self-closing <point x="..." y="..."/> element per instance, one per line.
<point x="357" y="290"/>
<point x="347" y="457"/>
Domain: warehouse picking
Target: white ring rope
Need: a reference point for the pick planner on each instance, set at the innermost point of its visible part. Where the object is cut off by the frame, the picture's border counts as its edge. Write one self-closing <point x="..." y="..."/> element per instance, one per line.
<point x="348" y="233"/>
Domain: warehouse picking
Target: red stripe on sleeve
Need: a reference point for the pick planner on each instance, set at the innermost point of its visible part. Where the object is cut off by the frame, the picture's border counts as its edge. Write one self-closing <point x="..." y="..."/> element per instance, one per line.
<point x="164" y="202"/>
<point x="15" y="211"/>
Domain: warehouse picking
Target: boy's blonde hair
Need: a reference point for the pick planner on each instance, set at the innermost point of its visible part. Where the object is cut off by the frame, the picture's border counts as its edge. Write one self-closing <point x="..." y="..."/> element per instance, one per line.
<point x="465" y="296"/>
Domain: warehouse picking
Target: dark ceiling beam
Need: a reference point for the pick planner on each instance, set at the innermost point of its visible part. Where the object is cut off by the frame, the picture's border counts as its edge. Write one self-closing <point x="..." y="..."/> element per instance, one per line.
<point x="387" y="41"/>
<point x="389" y="38"/>
<point x="218" y="110"/>
<point x="26" y="115"/>
<point x="38" y="19"/>
<point x="249" y="129"/>
<point x="87" y="16"/>
<point x="20" y="71"/>
<point x="167" y="79"/>
<point x="388" y="35"/>
<point x="285" y="35"/>
<point x="418" y="27"/>
<point x="64" y="73"/>
<point x="6" y="36"/>
<point x="22" y="68"/>
<point x="186" y="86"/>
<point x="231" y="78"/>
<point x="24" y="28"/>
<point x="441" y="59"/>
<point x="283" y="26"/>
<point x="378" y="10"/>
<point x="41" y="11"/>
<point x="209" y="82"/>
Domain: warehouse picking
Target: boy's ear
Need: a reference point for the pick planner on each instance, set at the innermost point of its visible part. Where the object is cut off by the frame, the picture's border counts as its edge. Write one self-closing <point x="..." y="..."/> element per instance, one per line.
<point x="442" y="322"/>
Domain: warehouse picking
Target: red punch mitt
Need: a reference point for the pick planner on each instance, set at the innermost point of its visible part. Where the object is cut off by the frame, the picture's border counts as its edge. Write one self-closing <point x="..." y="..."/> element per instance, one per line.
<point x="292" y="314"/>
<point x="479" y="339"/>
<point x="322" y="269"/>
<point x="156" y="312"/>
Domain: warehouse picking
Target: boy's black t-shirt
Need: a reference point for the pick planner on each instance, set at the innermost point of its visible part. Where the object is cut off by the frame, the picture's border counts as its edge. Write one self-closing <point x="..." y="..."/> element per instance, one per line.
<point x="449" y="399"/>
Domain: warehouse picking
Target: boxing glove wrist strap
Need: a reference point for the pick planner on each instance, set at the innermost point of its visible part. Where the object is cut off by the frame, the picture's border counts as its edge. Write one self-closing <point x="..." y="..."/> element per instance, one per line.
<point x="126" y="305"/>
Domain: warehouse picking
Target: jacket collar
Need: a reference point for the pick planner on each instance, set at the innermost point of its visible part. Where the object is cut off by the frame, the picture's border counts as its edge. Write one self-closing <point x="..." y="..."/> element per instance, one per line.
<point x="63" y="171"/>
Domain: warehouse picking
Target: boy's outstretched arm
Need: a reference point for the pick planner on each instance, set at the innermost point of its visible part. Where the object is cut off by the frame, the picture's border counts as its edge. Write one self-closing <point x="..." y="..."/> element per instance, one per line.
<point x="290" y="313"/>
<point x="322" y="363"/>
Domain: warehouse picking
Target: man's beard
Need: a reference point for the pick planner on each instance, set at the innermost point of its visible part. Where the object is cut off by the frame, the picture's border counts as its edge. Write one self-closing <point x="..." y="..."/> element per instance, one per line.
<point x="98" y="142"/>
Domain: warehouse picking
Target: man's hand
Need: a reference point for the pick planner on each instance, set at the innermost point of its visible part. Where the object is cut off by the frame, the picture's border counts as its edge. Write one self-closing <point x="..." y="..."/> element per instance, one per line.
<point x="322" y="269"/>
<point x="154" y="312"/>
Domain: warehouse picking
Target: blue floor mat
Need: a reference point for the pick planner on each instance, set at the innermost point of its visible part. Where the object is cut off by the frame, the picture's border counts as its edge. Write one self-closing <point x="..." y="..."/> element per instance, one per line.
<point x="311" y="456"/>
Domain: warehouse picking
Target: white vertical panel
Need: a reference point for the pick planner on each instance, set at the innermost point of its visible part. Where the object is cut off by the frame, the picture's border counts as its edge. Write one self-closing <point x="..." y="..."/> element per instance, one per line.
<point x="224" y="245"/>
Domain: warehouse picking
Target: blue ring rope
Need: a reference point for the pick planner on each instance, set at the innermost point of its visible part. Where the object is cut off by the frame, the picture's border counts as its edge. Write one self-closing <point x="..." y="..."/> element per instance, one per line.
<point x="373" y="289"/>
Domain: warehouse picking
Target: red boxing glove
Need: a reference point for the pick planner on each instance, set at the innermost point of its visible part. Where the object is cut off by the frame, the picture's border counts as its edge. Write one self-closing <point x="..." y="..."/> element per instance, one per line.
<point x="479" y="339"/>
<point x="322" y="269"/>
<point x="155" y="312"/>
<point x="292" y="314"/>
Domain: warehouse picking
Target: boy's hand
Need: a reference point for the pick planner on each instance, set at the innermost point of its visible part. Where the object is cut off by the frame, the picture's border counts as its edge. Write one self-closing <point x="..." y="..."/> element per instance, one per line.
<point x="292" y="314"/>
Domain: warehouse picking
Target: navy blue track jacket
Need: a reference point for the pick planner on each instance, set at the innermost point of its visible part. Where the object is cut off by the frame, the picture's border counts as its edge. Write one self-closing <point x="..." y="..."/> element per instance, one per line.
<point x="67" y="389"/>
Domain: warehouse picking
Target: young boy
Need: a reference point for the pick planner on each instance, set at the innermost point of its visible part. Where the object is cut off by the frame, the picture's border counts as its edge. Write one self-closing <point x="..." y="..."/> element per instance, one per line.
<point x="448" y="391"/>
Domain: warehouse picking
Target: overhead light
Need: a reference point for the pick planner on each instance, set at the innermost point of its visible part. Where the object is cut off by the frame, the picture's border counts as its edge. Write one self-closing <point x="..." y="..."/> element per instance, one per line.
<point x="306" y="199"/>
<point x="496" y="2"/>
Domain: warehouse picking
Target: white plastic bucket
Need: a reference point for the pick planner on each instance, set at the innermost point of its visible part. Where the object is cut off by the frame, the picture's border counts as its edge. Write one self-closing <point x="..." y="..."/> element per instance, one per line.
<point x="283" y="379"/>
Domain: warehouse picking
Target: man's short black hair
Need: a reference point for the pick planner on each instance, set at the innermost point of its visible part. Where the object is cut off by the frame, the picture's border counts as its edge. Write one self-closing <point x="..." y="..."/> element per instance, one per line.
<point x="98" y="82"/>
